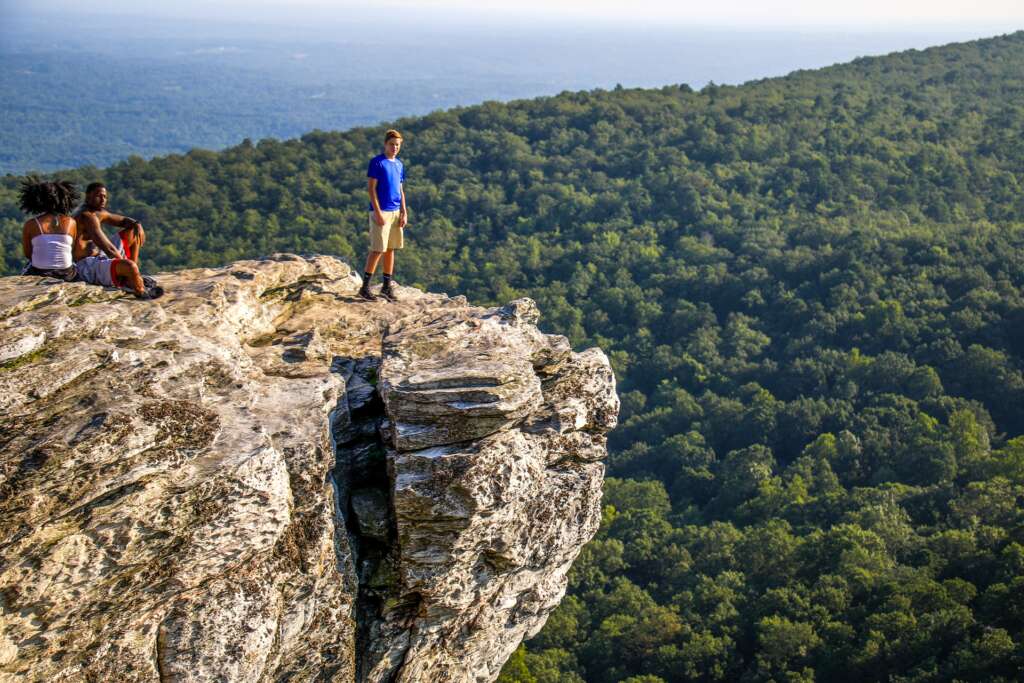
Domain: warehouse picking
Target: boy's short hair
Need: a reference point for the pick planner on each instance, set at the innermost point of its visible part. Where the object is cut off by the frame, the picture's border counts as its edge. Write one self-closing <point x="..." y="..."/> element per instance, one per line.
<point x="392" y="134"/>
<point x="94" y="186"/>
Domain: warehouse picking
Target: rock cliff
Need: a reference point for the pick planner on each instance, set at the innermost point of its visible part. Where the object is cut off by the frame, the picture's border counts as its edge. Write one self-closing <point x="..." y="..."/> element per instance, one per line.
<point x="260" y="477"/>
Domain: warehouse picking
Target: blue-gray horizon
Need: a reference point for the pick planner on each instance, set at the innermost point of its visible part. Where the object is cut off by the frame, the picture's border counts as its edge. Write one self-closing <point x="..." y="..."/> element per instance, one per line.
<point x="315" y="69"/>
<point x="987" y="17"/>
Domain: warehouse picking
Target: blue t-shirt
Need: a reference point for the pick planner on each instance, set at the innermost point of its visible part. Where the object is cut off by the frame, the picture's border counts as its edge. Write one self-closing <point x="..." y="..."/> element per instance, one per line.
<point x="390" y="174"/>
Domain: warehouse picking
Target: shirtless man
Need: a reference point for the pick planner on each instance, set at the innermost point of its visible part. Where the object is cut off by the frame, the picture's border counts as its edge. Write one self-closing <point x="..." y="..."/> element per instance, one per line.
<point x="118" y="264"/>
<point x="92" y="240"/>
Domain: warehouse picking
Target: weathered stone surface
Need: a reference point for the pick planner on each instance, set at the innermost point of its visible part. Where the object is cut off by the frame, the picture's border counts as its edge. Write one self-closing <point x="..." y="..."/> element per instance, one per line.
<point x="496" y="433"/>
<point x="260" y="477"/>
<point x="449" y="376"/>
<point x="163" y="502"/>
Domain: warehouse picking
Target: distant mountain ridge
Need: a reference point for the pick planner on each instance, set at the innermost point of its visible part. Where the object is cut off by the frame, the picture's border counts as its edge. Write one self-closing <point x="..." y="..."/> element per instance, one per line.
<point x="116" y="86"/>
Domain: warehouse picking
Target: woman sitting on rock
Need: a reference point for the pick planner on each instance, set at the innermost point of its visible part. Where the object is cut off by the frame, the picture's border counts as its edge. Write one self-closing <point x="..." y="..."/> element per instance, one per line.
<point x="47" y="238"/>
<point x="47" y="241"/>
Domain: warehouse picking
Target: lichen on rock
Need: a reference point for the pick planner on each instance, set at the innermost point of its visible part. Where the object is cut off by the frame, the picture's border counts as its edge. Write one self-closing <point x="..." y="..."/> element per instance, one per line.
<point x="260" y="477"/>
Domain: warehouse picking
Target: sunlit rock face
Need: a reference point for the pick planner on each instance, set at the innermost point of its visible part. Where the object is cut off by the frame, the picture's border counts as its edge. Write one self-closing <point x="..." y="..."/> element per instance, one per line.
<point x="261" y="477"/>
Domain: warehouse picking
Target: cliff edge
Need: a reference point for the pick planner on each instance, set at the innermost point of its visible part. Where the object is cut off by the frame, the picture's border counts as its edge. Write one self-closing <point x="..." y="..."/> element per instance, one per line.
<point x="260" y="477"/>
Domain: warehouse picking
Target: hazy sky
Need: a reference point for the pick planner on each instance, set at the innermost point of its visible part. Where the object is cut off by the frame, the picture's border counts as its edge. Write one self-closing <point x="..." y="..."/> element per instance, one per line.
<point x="1000" y="15"/>
<point x="746" y="12"/>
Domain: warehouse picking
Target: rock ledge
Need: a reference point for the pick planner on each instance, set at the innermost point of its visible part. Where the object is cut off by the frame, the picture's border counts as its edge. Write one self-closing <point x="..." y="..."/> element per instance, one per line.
<point x="260" y="477"/>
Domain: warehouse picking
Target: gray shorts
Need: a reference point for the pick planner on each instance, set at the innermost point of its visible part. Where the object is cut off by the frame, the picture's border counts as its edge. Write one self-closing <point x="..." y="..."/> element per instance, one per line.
<point x="98" y="270"/>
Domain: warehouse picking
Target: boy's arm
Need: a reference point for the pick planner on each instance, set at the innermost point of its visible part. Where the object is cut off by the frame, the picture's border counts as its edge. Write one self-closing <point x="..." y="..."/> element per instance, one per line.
<point x="371" y="187"/>
<point x="89" y="223"/>
<point x="403" y="216"/>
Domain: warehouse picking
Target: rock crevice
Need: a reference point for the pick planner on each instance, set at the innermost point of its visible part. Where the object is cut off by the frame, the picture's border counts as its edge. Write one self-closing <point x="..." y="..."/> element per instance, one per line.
<point x="261" y="478"/>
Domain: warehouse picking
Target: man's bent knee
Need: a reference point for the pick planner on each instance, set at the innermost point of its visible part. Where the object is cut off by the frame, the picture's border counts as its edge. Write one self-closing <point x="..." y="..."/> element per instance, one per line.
<point x="125" y="267"/>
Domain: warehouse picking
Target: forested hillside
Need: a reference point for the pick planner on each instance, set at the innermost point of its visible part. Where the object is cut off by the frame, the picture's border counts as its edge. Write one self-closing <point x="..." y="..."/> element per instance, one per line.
<point x="812" y="291"/>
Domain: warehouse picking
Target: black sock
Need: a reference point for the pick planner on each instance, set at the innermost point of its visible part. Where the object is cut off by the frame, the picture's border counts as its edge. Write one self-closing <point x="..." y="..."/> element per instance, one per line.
<point x="387" y="280"/>
<point x="366" y="278"/>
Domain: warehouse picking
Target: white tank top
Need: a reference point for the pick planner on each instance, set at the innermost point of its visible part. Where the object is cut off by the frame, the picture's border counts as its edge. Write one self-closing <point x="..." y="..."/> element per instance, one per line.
<point x="51" y="251"/>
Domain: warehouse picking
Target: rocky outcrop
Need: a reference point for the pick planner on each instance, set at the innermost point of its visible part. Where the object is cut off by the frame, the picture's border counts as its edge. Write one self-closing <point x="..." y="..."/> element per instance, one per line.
<point x="260" y="477"/>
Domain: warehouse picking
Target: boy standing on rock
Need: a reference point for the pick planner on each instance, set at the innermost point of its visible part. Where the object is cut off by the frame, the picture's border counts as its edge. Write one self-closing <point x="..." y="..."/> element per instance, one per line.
<point x="387" y="214"/>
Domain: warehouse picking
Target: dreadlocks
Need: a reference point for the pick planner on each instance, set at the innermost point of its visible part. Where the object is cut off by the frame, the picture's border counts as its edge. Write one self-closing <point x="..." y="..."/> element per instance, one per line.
<point x="44" y="196"/>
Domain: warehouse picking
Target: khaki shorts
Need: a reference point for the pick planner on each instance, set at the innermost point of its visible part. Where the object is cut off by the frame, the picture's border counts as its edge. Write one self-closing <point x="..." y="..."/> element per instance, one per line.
<point x="388" y="234"/>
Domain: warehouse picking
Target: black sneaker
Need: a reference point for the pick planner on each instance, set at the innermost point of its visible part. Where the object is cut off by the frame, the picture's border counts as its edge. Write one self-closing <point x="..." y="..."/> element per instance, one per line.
<point x="389" y="294"/>
<point x="365" y="293"/>
<point x="153" y="292"/>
